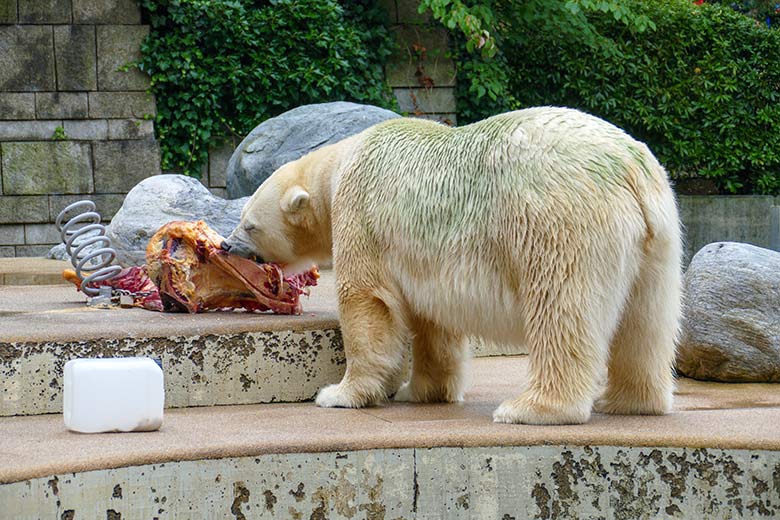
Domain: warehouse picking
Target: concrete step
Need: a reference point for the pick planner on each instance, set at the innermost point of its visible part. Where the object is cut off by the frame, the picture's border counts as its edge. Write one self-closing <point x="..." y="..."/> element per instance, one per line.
<point x="716" y="456"/>
<point x="215" y="358"/>
<point x="208" y="359"/>
<point x="32" y="271"/>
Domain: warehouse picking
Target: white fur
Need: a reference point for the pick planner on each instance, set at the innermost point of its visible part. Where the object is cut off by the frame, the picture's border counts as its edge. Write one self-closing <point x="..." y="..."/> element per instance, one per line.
<point x="543" y="226"/>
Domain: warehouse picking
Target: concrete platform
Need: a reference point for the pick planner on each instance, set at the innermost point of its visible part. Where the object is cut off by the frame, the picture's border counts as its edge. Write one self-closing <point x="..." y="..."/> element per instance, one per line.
<point x="716" y="456"/>
<point x="31" y="271"/>
<point x="213" y="358"/>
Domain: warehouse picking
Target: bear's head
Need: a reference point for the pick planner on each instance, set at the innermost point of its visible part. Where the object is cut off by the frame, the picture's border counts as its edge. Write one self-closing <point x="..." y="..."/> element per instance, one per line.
<point x="282" y="223"/>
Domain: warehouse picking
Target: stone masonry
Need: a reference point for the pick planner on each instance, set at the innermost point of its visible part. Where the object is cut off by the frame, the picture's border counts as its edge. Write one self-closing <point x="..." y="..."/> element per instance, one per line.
<point x="74" y="122"/>
<point x="420" y="72"/>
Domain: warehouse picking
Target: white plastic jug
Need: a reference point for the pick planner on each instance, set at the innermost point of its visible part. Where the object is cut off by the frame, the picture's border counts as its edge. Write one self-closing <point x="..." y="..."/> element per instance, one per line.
<point x="113" y="395"/>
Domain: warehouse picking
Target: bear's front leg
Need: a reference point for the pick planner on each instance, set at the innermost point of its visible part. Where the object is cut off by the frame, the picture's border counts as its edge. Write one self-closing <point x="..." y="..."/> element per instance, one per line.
<point x="374" y="341"/>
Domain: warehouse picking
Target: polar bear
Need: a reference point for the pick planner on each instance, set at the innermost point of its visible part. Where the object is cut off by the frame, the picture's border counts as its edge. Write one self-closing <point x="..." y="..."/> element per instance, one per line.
<point x="544" y="226"/>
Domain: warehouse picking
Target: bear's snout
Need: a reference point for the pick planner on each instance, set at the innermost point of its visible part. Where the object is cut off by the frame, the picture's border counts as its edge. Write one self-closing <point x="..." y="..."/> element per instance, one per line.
<point x="238" y="247"/>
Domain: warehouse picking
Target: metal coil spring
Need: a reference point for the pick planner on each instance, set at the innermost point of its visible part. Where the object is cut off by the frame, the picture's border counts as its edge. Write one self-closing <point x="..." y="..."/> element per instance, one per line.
<point x="85" y="231"/>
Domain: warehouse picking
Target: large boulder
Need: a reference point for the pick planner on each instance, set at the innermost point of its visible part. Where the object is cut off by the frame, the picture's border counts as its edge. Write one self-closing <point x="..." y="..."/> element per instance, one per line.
<point x="157" y="200"/>
<point x="731" y="325"/>
<point x="293" y="134"/>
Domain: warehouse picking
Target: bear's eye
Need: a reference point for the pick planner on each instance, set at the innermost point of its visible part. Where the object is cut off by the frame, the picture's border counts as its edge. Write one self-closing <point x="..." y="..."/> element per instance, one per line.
<point x="249" y="227"/>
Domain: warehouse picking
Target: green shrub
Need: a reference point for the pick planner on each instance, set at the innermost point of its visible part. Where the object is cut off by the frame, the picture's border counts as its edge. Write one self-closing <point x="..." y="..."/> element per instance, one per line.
<point x="765" y="11"/>
<point x="220" y="67"/>
<point x="702" y="89"/>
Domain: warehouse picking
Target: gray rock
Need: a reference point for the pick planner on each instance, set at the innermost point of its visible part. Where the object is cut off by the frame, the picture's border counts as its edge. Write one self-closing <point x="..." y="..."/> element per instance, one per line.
<point x="731" y="328"/>
<point x="156" y="201"/>
<point x="58" y="253"/>
<point x="293" y="134"/>
<point x="161" y="199"/>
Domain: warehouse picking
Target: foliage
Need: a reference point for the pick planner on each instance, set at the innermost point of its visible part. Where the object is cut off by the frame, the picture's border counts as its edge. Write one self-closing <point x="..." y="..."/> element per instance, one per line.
<point x="59" y="134"/>
<point x="701" y="87"/>
<point x="703" y="90"/>
<point x="483" y="79"/>
<point x="220" y="67"/>
<point x="765" y="11"/>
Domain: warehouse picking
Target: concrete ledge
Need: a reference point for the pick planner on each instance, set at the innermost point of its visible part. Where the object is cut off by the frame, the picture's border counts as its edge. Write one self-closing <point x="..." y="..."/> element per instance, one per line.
<point x="209" y="359"/>
<point x="454" y="483"/>
<point x="213" y="358"/>
<point x="31" y="271"/>
<point x="706" y="415"/>
<point x="716" y="456"/>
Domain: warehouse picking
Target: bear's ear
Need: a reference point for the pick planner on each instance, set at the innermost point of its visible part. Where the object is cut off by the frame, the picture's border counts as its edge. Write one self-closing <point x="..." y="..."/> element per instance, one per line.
<point x="295" y="199"/>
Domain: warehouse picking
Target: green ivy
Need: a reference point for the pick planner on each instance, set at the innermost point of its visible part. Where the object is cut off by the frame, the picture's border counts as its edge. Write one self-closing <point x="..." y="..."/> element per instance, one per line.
<point x="220" y="67"/>
<point x="702" y="90"/>
<point x="487" y="29"/>
<point x="700" y="84"/>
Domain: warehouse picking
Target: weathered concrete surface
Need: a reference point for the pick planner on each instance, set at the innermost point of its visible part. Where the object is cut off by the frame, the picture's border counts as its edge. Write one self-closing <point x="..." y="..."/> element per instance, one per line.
<point x="31" y="271"/>
<point x="482" y="348"/>
<point x="8" y="11"/>
<point x="38" y="168"/>
<point x="420" y="58"/>
<point x="253" y="367"/>
<point x="121" y="105"/>
<point x="706" y="415"/>
<point x="426" y="100"/>
<point x="118" y="46"/>
<point x="44" y="11"/>
<point x="545" y="482"/>
<point x="61" y="105"/>
<point x="24" y="208"/>
<point x="106" y="11"/>
<point x="749" y="219"/>
<point x="27" y="58"/>
<point x="209" y="359"/>
<point x="17" y="105"/>
<point x="75" y="57"/>
<point x="120" y="165"/>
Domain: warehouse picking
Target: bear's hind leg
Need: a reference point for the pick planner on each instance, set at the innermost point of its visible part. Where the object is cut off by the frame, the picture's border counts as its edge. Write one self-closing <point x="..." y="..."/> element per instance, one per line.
<point x="439" y="361"/>
<point x="375" y="338"/>
<point x="642" y="353"/>
<point x="573" y="309"/>
<point x="566" y="357"/>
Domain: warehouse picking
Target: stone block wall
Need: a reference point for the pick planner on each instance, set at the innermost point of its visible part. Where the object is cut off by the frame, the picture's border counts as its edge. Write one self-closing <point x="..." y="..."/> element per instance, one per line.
<point x="420" y="73"/>
<point x="73" y="124"/>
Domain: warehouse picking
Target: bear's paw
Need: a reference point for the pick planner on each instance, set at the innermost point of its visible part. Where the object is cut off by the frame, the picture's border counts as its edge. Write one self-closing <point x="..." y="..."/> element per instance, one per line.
<point x="405" y="395"/>
<point x="524" y="410"/>
<point x="337" y="396"/>
<point x="430" y="393"/>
